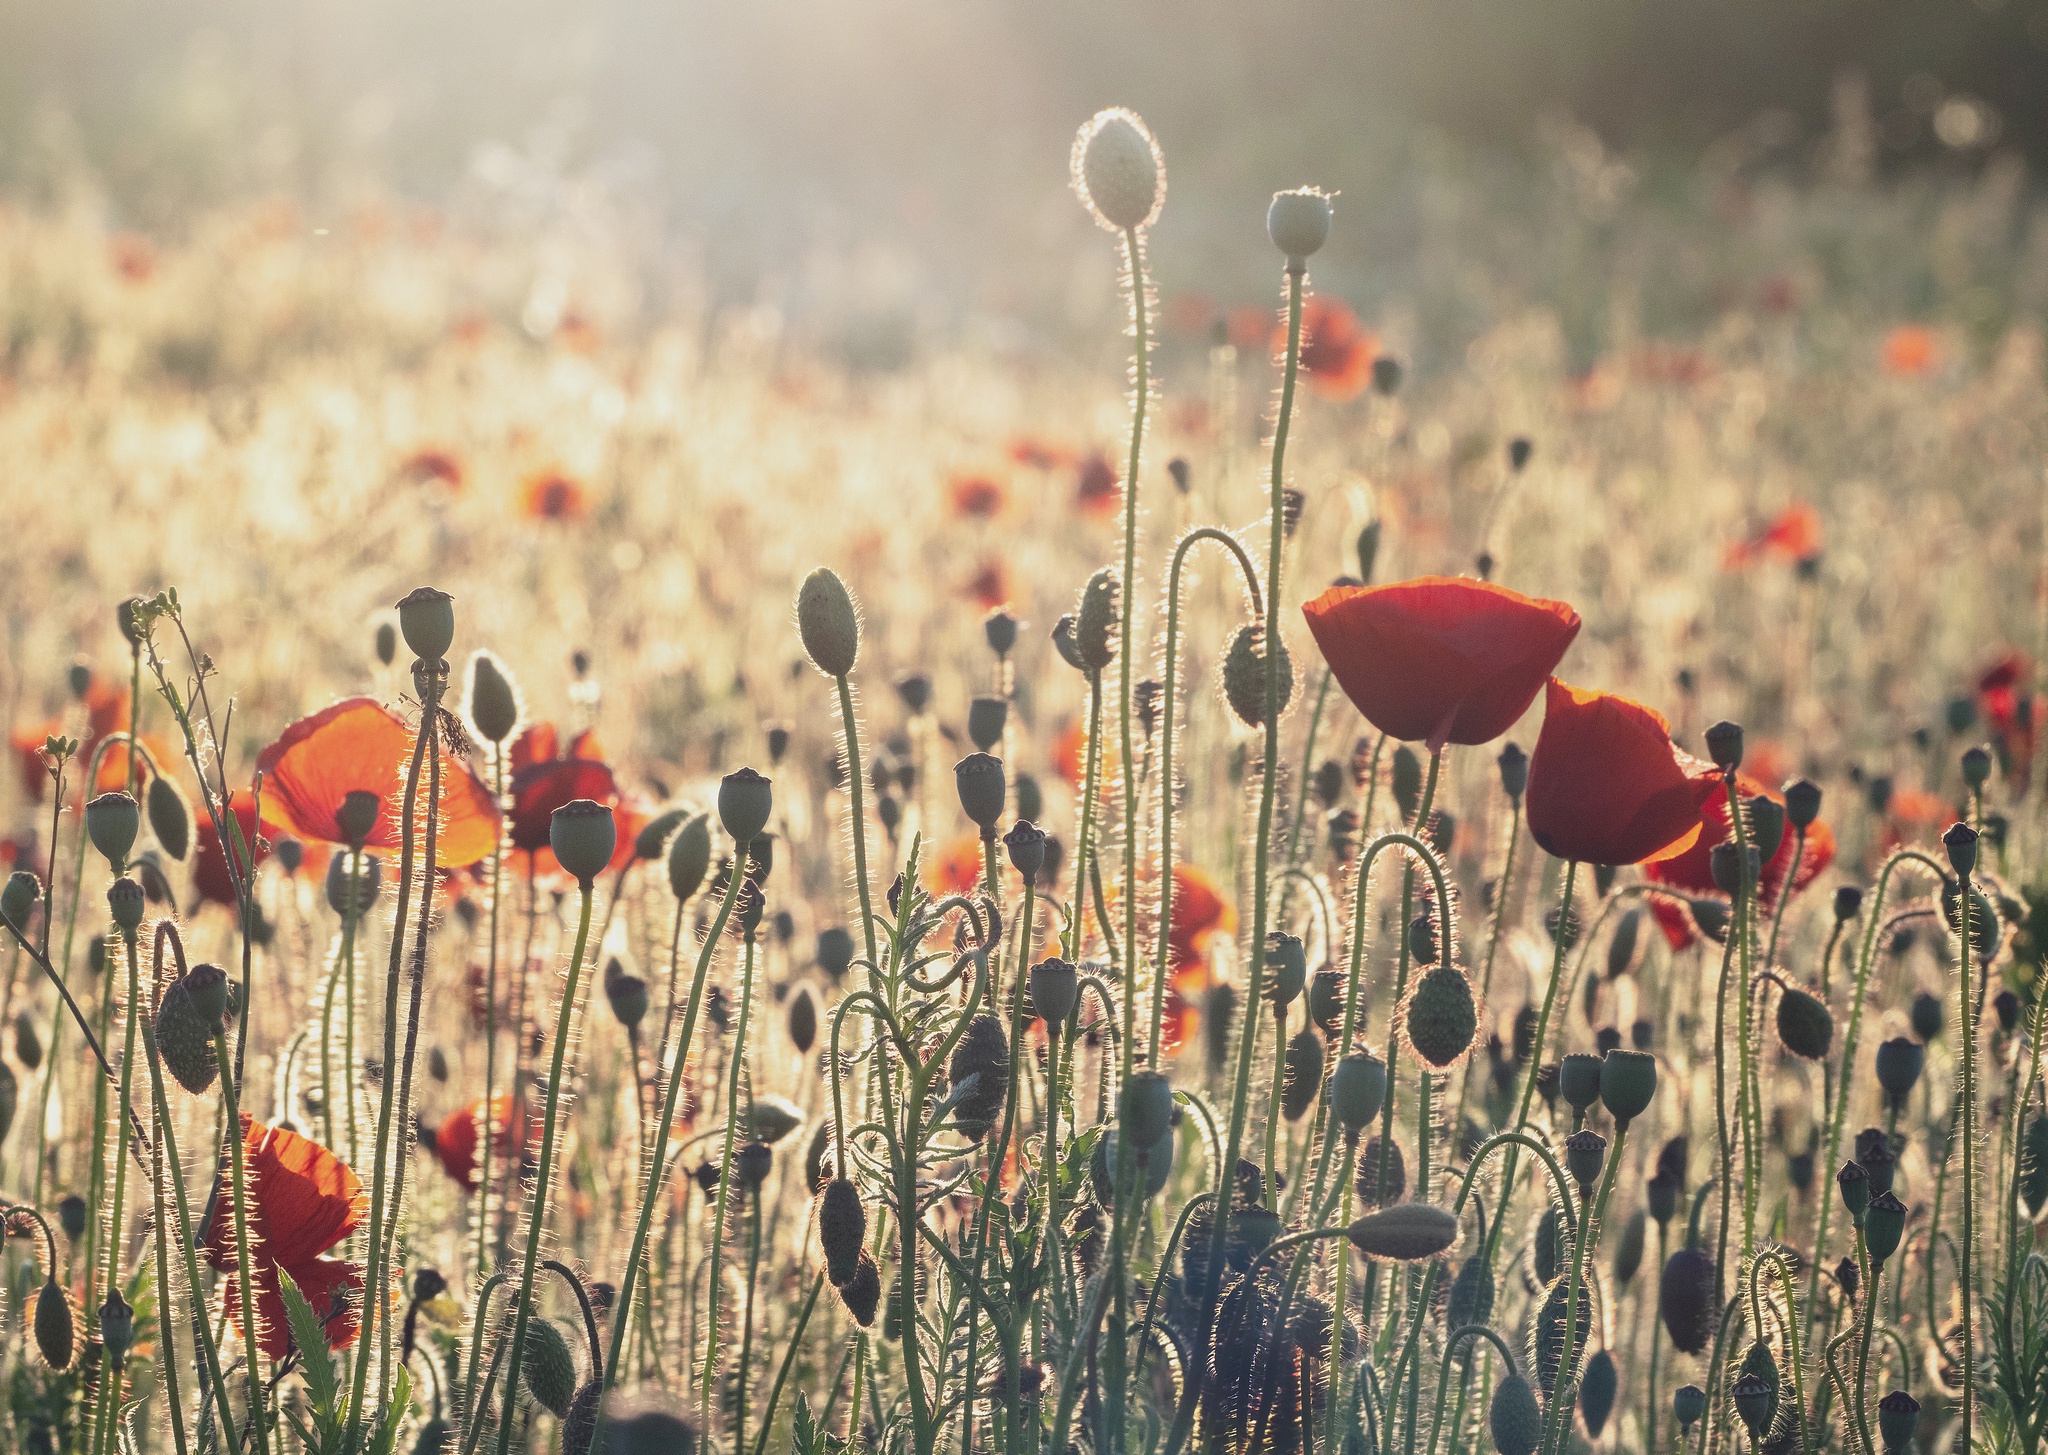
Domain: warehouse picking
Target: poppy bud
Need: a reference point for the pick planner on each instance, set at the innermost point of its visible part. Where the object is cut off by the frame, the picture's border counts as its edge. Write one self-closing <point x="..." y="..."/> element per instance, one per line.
<point x="1766" y="826"/>
<point x="1298" y="222"/>
<point x="1926" y="1012"/>
<point x="983" y="789"/>
<point x="126" y="902"/>
<point x="753" y="1162"/>
<point x="1422" y="939"/>
<point x="1407" y="781"/>
<point x="1442" y="1016"/>
<point x="1244" y="675"/>
<point x="802" y="1021"/>
<point x="1977" y="766"/>
<point x="628" y="997"/>
<point x="1472" y="1293"/>
<point x="54" y="1327"/>
<point x="1727" y="862"/>
<point x="1898" y="1417"/>
<point x="1661" y="1196"/>
<point x="1303" y="1073"/>
<point x="1628" y="1081"/>
<point x="1724" y="745"/>
<point x="112" y="822"/>
<point x="1406" y="1232"/>
<point x="1599" y="1383"/>
<point x="999" y="629"/>
<point x="745" y="800"/>
<point x="1118" y="172"/>
<point x="986" y="718"/>
<point x="1854" y="1183"/>
<point x="1686" y="1299"/>
<point x="1358" y="1088"/>
<point x="1514" y="772"/>
<point x="1155" y="1163"/>
<point x="1514" y="1418"/>
<point x="772" y="1118"/>
<point x="170" y="820"/>
<point x="983" y="1053"/>
<point x="117" y="1327"/>
<point x="1095" y="620"/>
<point x="828" y="623"/>
<point x="1805" y="1025"/>
<point x="1802" y="803"/>
<point x="862" y="1293"/>
<point x="1628" y="1248"/>
<point x="1688" y="1403"/>
<point x="835" y="952"/>
<point x="427" y="618"/>
<point x="493" y="708"/>
<point x="1366" y="1182"/>
<point x="1578" y="1080"/>
<point x="1710" y="918"/>
<point x="1055" y="989"/>
<point x="1960" y="841"/>
<point x="842" y="1229"/>
<point x="1145" y="1107"/>
<point x="71" y="1216"/>
<point x="1386" y="375"/>
<point x="18" y="899"/>
<point x="1756" y="1400"/>
<point x="583" y="835"/>
<point x="28" y="1044"/>
<point x="191" y="1014"/>
<point x="1884" y="1224"/>
<point x="1326" y="998"/>
<point x="689" y="857"/>
<point x="548" y="1368"/>
<point x="1585" y="1153"/>
<point x="1287" y="963"/>
<point x="2007" y="1005"/>
<point x="385" y="642"/>
<point x="1899" y="1064"/>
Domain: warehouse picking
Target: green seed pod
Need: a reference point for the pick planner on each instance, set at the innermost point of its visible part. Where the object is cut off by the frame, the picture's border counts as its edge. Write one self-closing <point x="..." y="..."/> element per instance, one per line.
<point x="1095" y="620"/>
<point x="1598" y="1387"/>
<point x="862" y="1293"/>
<point x="1548" y="1334"/>
<point x="1686" y="1299"/>
<point x="1551" y="1249"/>
<point x="689" y="857"/>
<point x="1145" y="1107"/>
<point x="1515" y="1419"/>
<point x="548" y="1367"/>
<point x="55" y="1328"/>
<point x="170" y="818"/>
<point x="1898" y="1418"/>
<point x="1578" y="1081"/>
<point x="1802" y="803"/>
<point x="627" y="995"/>
<point x="583" y="835"/>
<point x="1055" y="991"/>
<point x="187" y="1020"/>
<point x="1405" y="1233"/>
<point x="1628" y="1083"/>
<point x="1899" y="1064"/>
<point x="1156" y="1166"/>
<point x="1442" y="1016"/>
<point x="771" y="1118"/>
<point x="1854" y="1184"/>
<point x="18" y="899"/>
<point x="828" y="623"/>
<point x="1117" y="171"/>
<point x="112" y="821"/>
<point x="1585" y="1153"/>
<point x="842" y="1230"/>
<point x="127" y="902"/>
<point x="28" y="1042"/>
<point x="1303" y="1073"/>
<point x="1628" y="1249"/>
<point x="1514" y="772"/>
<point x="1724" y="744"/>
<point x="1298" y="222"/>
<point x="802" y="1020"/>
<point x="1287" y="964"/>
<point x="1358" y="1088"/>
<point x="1244" y="675"/>
<point x="426" y="618"/>
<point x="984" y="1054"/>
<point x="1805" y="1026"/>
<point x="745" y="799"/>
<point x="1756" y="1400"/>
<point x="1688" y="1403"/>
<point x="1884" y="1224"/>
<point x="983" y="790"/>
<point x="1661" y="1194"/>
<point x="493" y="706"/>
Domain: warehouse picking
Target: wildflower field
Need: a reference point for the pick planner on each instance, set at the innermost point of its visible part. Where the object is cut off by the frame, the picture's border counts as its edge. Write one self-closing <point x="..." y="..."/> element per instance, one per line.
<point x="594" y="876"/>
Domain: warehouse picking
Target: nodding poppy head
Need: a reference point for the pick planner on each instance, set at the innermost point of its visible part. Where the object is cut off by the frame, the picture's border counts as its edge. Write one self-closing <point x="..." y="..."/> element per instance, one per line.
<point x="1337" y="352"/>
<point x="1440" y="659"/>
<point x="1608" y="786"/>
<point x="302" y="1201"/>
<point x="359" y="746"/>
<point x="1691" y="870"/>
<point x="210" y="870"/>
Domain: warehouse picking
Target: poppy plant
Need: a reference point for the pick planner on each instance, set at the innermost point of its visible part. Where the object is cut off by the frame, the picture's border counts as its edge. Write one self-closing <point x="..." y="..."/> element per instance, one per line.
<point x="1336" y="350"/>
<point x="360" y="746"/>
<point x="1691" y="871"/>
<point x="1608" y="786"/>
<point x="1440" y="659"/>
<point x="2009" y="709"/>
<point x="302" y="1200"/>
<point x="457" y="1138"/>
<point x="1200" y="916"/>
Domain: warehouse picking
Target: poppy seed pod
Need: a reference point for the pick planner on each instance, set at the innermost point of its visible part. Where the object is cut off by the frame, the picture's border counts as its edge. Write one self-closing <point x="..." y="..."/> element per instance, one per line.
<point x="548" y="1369"/>
<point x="802" y="1020"/>
<point x="1358" y="1089"/>
<point x="628" y="997"/>
<point x="915" y="691"/>
<point x="842" y="1229"/>
<point x="1688" y="1403"/>
<point x="1095" y="620"/>
<point x="1145" y="1107"/>
<point x="1874" y="1155"/>
<point x="357" y="816"/>
<point x="1899" y="1064"/>
<point x="583" y="835"/>
<point x="55" y="1329"/>
<point x="1155" y="1163"/>
<point x="1884" y="1224"/>
<point x="1724" y="745"/>
<point x="862" y="1293"/>
<point x="170" y="818"/>
<point x="1685" y="1297"/>
<point x="1802" y="803"/>
<point x="1960" y="841"/>
<point x="1514" y="772"/>
<point x="1854" y="1184"/>
<point x="1406" y="1232"/>
<point x="986" y="719"/>
<point x="999" y="630"/>
<point x="1578" y="1080"/>
<point x="1514" y="1418"/>
<point x="1026" y="845"/>
<point x="835" y="952"/>
<point x="753" y="1162"/>
<point x="112" y="821"/>
<point x="1726" y="862"/>
<point x="126" y="902"/>
<point x="1585" y="1153"/>
<point x="1287" y="964"/>
<point x="1298" y="222"/>
<point x="1442" y="1016"/>
<point x="983" y="1053"/>
<point x="1055" y="990"/>
<point x="1303" y="1073"/>
<point x="828" y="623"/>
<point x="745" y="800"/>
<point x="1805" y="1025"/>
<point x="983" y="789"/>
<point x="117" y="1327"/>
<point x="1898" y="1417"/>
<point x="427" y="619"/>
<point x="1756" y="1400"/>
<point x="1326" y="990"/>
<point x="1244" y="675"/>
<point x="1598" y="1385"/>
<point x="493" y="707"/>
<point x="1118" y="172"/>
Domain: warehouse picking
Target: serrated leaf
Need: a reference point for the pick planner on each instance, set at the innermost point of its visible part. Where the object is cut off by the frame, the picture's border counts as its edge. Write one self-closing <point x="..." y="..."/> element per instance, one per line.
<point x="311" y="1337"/>
<point x="401" y="1401"/>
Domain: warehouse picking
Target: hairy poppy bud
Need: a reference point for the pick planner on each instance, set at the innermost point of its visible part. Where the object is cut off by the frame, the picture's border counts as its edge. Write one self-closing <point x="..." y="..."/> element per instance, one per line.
<point x="986" y="719"/>
<point x="1884" y="1224"/>
<point x="192" y="1013"/>
<point x="862" y="1293"/>
<point x="1298" y="222"/>
<point x="583" y="835"/>
<point x="1688" y="1403"/>
<point x="1095" y="620"/>
<point x="1442" y="1016"/>
<point x="983" y="790"/>
<point x="170" y="820"/>
<point x="1766" y="818"/>
<point x="1326" y="998"/>
<point x="493" y="708"/>
<point x="1378" y="1161"/>
<point x="1117" y="171"/>
<point x="548" y="1368"/>
<point x="1585" y="1153"/>
<point x="427" y="619"/>
<point x="112" y="822"/>
<point x="1628" y="1248"/>
<point x="1514" y="1418"/>
<point x="1960" y="841"/>
<point x="999" y="630"/>
<point x="745" y="800"/>
<point x="1802" y="803"/>
<point x="983" y="1053"/>
<point x="1422" y="939"/>
<point x="628" y="997"/>
<point x="1848" y="1277"/>
<point x="1599" y="1383"/>
<point x="1551" y="1249"/>
<point x="117" y="1327"/>
<point x="828" y="623"/>
<point x="1805" y="1025"/>
<point x="55" y="1328"/>
<point x="1303" y="1073"/>
<point x="1145" y="1107"/>
<point x="1287" y="963"/>
<point x="1898" y="1417"/>
<point x="1055" y="990"/>
<point x="18" y="899"/>
<point x="126" y="901"/>
<point x="1578" y="1080"/>
<point x="652" y="839"/>
<point x="835" y="952"/>
<point x="1244" y="675"/>
<point x="1724" y="745"/>
<point x="1358" y="1089"/>
<point x="802" y="1020"/>
<point x="1686" y="1299"/>
<point x="1854" y="1183"/>
<point x="842" y="1229"/>
<point x="1405" y="1233"/>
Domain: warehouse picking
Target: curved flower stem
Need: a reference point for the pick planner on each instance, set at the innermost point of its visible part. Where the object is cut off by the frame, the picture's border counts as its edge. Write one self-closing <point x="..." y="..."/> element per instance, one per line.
<point x="259" y="1420"/>
<point x="1582" y="1247"/>
<point x="1443" y="1378"/>
<point x="1788" y="1323"/>
<point x="537" y="1216"/>
<point x="738" y="1066"/>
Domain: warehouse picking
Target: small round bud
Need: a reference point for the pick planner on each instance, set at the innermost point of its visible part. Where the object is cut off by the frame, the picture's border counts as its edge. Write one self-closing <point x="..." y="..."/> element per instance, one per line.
<point x="1026" y="844"/>
<point x="828" y="623"/>
<point x="493" y="707"/>
<point x="1244" y="674"/>
<point x="986" y="719"/>
<point x="689" y="857"/>
<point x="18" y="899"/>
<point x="753" y="1162"/>
<point x="126" y="901"/>
<point x="1899" y="1064"/>
<point x="1386" y="375"/>
<point x="583" y="835"/>
<point x="1514" y="772"/>
<point x="1628" y="1082"/>
<point x="1688" y="1403"/>
<point x="745" y="800"/>
<point x="1298" y="222"/>
<point x="1358" y="1089"/>
<point x="1926" y="1012"/>
<point x="1977" y="766"/>
<point x="1802" y="803"/>
<point x="427" y="619"/>
<point x="835" y="952"/>
<point x="1118" y="172"/>
<point x="1848" y="902"/>
<point x="983" y="790"/>
<point x="112" y="821"/>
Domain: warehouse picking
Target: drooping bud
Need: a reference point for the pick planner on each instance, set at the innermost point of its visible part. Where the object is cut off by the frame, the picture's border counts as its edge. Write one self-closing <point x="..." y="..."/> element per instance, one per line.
<point x="192" y="1013"/>
<point x="1442" y="1016"/>
<point x="55" y="1328"/>
<point x="493" y="707"/>
<point x="842" y="1230"/>
<point x="862" y="1293"/>
<point x="548" y="1368"/>
<point x="1095" y="620"/>
<point x="18" y="899"/>
<point x="984" y="1054"/>
<point x="1406" y="1232"/>
<point x="1805" y="1025"/>
<point x="1515" y="1418"/>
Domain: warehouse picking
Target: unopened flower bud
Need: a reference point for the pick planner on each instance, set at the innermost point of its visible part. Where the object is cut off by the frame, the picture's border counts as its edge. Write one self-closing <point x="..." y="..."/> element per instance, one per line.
<point x="1117" y="171"/>
<point x="745" y="800"/>
<point x="828" y="623"/>
<point x="493" y="700"/>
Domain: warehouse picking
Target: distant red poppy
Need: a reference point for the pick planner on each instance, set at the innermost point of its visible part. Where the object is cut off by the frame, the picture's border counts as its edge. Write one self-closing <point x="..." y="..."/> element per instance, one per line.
<point x="1036" y="454"/>
<point x="459" y="1135"/>
<point x="976" y="497"/>
<point x="1691" y="872"/>
<point x="1794" y="534"/>
<point x="1096" y="487"/>
<point x="2010" y="710"/>
<point x="1910" y="350"/>
<point x="989" y="586"/>
<point x="1608" y="786"/>
<point x="1336" y="350"/>
<point x="430" y="463"/>
<point x="1200" y="916"/>
<point x="1440" y="659"/>
<point x="303" y="1200"/>
<point x="210" y="864"/>
<point x="359" y="745"/>
<point x="552" y="495"/>
<point x="106" y="713"/>
<point x="542" y="785"/>
<point x="955" y="868"/>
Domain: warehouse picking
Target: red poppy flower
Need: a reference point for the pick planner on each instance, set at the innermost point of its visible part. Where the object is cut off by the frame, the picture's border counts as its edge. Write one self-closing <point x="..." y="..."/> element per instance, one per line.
<point x="955" y="869"/>
<point x="1336" y="351"/>
<point x="1097" y="491"/>
<point x="1692" y="874"/>
<point x="430" y="463"/>
<point x="359" y="745"/>
<point x="1794" y="534"/>
<point x="457" y="1138"/>
<point x="544" y="784"/>
<point x="210" y="864"/>
<point x="989" y="586"/>
<point x="2009" y="710"/>
<point x="1608" y="786"/>
<point x="1440" y="659"/>
<point x="539" y="742"/>
<point x="976" y="496"/>
<point x="1910" y="350"/>
<point x="303" y="1200"/>
<point x="552" y="495"/>
<point x="1200" y="916"/>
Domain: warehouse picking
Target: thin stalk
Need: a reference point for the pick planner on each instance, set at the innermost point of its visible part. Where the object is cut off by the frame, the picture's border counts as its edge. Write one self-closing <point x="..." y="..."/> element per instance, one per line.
<point x="489" y="1129"/>
<point x="258" y="1417"/>
<point x="737" y="1064"/>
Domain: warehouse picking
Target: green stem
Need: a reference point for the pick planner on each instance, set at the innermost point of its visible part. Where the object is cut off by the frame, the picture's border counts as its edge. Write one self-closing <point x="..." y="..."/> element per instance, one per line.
<point x="258" y="1416"/>
<point x="488" y="1131"/>
<point x="1582" y="1248"/>
<point x="733" y="1113"/>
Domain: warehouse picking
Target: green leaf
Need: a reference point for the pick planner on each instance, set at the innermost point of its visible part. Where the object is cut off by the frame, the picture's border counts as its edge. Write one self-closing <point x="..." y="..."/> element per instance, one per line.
<point x="311" y="1337"/>
<point x="394" y="1418"/>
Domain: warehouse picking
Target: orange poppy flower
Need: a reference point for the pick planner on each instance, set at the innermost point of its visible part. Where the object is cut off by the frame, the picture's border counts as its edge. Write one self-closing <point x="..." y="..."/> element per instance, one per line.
<point x="1910" y="350"/>
<point x="457" y="1138"/>
<point x="359" y="745"/>
<point x="303" y="1200"/>
<point x="1200" y="916"/>
<point x="552" y="495"/>
<point x="1794" y="534"/>
<point x="1692" y="873"/>
<point x="955" y="869"/>
<point x="1336" y="351"/>
<point x="1608" y="786"/>
<point x="210" y="863"/>
<point x="1097" y="491"/>
<point x="2009" y="710"/>
<point x="1440" y="659"/>
<point x="976" y="497"/>
<point x="542" y="785"/>
<point x="540" y="742"/>
<point x="1038" y="454"/>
